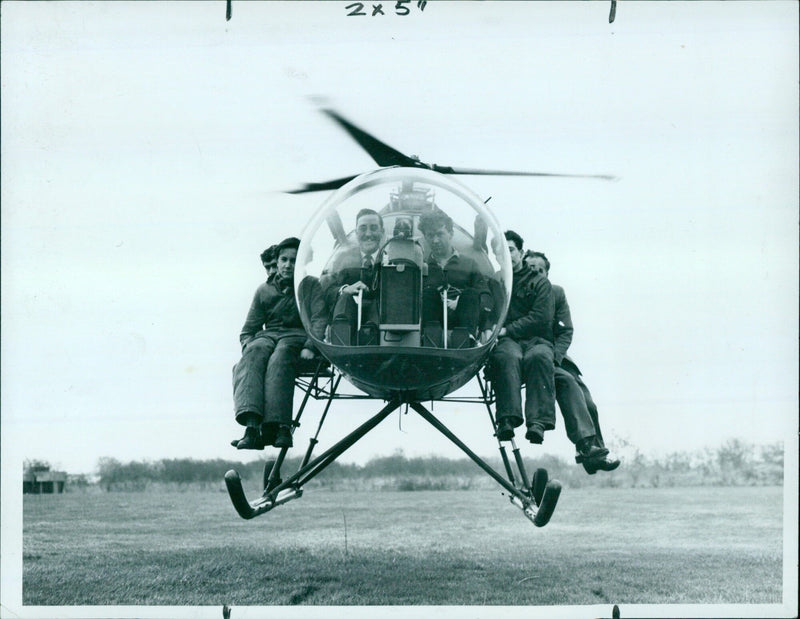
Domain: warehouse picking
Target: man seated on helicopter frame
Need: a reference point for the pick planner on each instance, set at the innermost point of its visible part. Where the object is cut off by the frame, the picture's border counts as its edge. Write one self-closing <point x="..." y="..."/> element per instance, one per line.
<point x="273" y="341"/>
<point x="524" y="352"/>
<point x="574" y="399"/>
<point x="454" y="280"/>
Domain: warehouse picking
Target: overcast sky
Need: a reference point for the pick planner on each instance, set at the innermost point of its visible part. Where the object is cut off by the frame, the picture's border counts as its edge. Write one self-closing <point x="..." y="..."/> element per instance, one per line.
<point x="144" y="147"/>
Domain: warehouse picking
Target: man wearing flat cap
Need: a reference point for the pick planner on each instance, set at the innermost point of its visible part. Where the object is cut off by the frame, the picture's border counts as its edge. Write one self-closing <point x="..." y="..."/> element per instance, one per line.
<point x="273" y="340"/>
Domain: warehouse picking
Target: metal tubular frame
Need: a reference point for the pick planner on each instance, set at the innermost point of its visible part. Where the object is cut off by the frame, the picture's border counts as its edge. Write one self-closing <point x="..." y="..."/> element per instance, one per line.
<point x="313" y="468"/>
<point x="292" y="488"/>
<point x="428" y="416"/>
<point x="488" y="396"/>
<point x="278" y="493"/>
<point x="313" y="440"/>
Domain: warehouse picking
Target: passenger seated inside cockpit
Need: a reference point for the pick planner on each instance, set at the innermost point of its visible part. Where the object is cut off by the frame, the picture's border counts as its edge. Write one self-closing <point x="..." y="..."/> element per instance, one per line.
<point x="454" y="281"/>
<point x="351" y="281"/>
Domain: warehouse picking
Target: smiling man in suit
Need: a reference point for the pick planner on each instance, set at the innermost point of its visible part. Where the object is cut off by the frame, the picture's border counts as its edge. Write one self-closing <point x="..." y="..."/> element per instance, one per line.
<point x="353" y="271"/>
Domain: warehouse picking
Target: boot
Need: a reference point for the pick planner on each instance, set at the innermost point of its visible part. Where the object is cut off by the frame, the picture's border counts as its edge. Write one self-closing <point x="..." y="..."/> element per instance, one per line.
<point x="283" y="438"/>
<point x="602" y="463"/>
<point x="535" y="435"/>
<point x="269" y="431"/>
<point x="588" y="449"/>
<point x="505" y="429"/>
<point x="251" y="439"/>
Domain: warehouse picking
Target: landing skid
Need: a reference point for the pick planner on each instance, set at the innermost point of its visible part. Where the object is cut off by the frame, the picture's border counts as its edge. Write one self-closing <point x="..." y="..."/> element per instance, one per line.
<point x="248" y="510"/>
<point x="537" y="511"/>
<point x="540" y="514"/>
<point x="292" y="488"/>
<point x="537" y="500"/>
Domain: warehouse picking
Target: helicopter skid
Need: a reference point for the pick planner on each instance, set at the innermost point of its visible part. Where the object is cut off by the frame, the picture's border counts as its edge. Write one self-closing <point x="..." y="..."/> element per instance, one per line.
<point x="538" y="512"/>
<point x="247" y="509"/>
<point x="540" y="516"/>
<point x="292" y="488"/>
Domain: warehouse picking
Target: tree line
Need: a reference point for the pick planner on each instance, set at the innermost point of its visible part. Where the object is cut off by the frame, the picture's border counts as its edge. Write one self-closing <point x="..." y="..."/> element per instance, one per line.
<point x="733" y="463"/>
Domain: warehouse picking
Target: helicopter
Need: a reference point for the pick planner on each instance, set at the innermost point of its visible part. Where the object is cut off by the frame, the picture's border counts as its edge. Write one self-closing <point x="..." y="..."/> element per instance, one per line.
<point x="394" y="354"/>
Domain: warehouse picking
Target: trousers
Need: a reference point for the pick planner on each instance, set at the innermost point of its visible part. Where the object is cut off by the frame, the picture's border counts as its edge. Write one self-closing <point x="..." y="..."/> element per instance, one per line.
<point x="577" y="406"/>
<point x="466" y="314"/>
<point x="263" y="380"/>
<point x="347" y="307"/>
<point x="529" y="362"/>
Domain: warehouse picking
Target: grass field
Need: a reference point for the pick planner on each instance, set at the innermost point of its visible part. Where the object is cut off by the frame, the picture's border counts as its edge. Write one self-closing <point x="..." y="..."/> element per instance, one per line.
<point x="653" y="546"/>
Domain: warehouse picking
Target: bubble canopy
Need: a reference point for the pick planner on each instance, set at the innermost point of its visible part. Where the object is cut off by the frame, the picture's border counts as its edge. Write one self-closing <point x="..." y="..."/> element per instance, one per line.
<point x="403" y="280"/>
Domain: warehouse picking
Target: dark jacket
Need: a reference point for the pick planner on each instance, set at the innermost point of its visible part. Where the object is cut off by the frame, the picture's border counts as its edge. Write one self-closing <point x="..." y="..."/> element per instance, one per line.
<point x="345" y="270"/>
<point x="460" y="271"/>
<point x="562" y="325"/>
<point x="274" y="308"/>
<point x="562" y="331"/>
<point x="531" y="311"/>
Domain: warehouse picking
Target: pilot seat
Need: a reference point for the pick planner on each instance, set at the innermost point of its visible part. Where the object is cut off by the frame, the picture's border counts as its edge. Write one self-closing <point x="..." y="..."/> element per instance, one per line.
<point x="400" y="309"/>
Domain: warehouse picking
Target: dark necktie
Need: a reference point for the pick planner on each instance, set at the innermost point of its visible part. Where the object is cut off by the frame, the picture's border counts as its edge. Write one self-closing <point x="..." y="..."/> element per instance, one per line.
<point x="367" y="263"/>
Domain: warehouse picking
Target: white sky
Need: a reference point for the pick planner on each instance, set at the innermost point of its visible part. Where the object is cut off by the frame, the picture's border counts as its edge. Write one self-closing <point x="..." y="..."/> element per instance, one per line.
<point x="144" y="145"/>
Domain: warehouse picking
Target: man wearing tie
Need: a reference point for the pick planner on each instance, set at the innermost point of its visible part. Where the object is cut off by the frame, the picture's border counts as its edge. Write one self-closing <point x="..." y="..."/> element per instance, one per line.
<point x="354" y="272"/>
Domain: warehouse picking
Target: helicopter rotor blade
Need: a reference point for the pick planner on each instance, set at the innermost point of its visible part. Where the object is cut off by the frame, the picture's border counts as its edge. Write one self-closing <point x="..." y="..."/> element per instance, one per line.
<point x="382" y="154"/>
<point x="470" y="171"/>
<point x="324" y="186"/>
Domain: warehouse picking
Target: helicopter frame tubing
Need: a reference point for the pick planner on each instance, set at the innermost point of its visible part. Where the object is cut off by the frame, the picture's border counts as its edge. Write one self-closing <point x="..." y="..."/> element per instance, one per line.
<point x="537" y="511"/>
<point x="292" y="487"/>
<point x="537" y="500"/>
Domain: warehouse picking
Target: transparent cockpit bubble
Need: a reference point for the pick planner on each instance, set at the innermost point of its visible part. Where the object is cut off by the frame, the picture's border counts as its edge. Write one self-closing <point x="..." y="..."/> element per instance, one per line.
<point x="332" y="251"/>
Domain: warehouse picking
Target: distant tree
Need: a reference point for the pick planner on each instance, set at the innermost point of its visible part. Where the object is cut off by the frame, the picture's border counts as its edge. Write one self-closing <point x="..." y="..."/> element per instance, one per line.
<point x="772" y="454"/>
<point x="731" y="463"/>
<point x="735" y="462"/>
<point x="182" y="471"/>
<point x="109" y="471"/>
<point x="35" y="466"/>
<point x="734" y="454"/>
<point x="77" y="482"/>
<point x="770" y="470"/>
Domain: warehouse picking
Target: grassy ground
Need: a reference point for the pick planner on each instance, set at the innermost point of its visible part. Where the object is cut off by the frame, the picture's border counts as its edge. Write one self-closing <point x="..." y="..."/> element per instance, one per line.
<point x="696" y="545"/>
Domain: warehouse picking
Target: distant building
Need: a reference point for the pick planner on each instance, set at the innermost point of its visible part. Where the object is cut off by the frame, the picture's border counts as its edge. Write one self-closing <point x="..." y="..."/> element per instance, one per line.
<point x="43" y="482"/>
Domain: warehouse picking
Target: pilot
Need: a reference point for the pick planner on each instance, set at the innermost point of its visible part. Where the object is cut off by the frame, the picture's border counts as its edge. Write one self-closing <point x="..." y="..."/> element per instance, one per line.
<point x="524" y="353"/>
<point x="573" y="397"/>
<point x="263" y="380"/>
<point x="403" y="228"/>
<point x="453" y="278"/>
<point x="270" y="261"/>
<point x="354" y="270"/>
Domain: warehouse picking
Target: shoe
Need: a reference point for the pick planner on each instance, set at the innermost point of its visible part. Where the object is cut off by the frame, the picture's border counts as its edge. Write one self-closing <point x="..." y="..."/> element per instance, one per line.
<point x="269" y="431"/>
<point x="588" y="449"/>
<point x="283" y="437"/>
<point x="594" y="452"/>
<point x="589" y="445"/>
<point x="250" y="440"/>
<point x="505" y="429"/>
<point x="535" y="435"/>
<point x="601" y="463"/>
